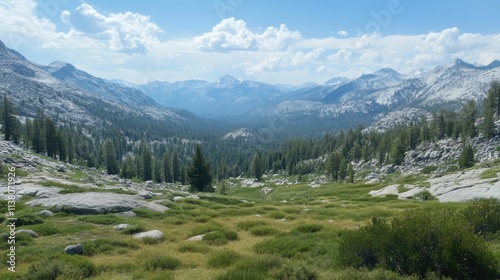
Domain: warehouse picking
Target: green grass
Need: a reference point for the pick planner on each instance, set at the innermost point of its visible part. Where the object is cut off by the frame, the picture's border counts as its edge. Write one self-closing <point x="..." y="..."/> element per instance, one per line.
<point x="161" y="262"/>
<point x="490" y="173"/>
<point x="68" y="188"/>
<point x="102" y="219"/>
<point x="264" y="230"/>
<point x="223" y="259"/>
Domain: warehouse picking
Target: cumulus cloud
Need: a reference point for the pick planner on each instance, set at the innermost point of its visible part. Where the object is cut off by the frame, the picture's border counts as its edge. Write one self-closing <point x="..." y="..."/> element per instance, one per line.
<point x="127" y="32"/>
<point x="342" y="33"/>
<point x="232" y="35"/>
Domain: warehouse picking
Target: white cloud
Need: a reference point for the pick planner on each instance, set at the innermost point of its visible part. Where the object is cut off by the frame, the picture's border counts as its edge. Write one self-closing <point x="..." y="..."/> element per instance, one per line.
<point x="233" y="35"/>
<point x="125" y="45"/>
<point x="128" y="32"/>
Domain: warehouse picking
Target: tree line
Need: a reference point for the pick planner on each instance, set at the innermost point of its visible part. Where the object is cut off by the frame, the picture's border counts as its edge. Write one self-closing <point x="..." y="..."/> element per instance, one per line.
<point x="148" y="156"/>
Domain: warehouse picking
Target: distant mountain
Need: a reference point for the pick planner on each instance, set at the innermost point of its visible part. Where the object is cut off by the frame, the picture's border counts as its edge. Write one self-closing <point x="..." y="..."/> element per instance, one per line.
<point x="72" y="95"/>
<point x="119" y="93"/>
<point x="227" y="96"/>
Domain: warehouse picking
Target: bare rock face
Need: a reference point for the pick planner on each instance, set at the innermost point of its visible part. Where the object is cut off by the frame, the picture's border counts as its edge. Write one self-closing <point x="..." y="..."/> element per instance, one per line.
<point x="96" y="203"/>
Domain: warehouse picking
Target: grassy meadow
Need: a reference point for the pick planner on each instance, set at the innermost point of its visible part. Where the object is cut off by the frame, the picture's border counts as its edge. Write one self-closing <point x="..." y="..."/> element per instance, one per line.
<point x="292" y="232"/>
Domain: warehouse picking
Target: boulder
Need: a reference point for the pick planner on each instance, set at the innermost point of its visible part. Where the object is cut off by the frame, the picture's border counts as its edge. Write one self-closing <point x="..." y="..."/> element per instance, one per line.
<point x="74" y="249"/>
<point x="150" y="234"/>
<point x="121" y="226"/>
<point x="61" y="168"/>
<point x="28" y="232"/>
<point x="146" y="194"/>
<point x="435" y="155"/>
<point x="46" y="213"/>
<point x="96" y="203"/>
<point x="196" y="237"/>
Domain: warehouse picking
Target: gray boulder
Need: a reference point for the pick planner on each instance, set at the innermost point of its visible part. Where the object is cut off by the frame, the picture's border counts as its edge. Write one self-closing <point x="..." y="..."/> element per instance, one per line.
<point x="435" y="155"/>
<point x="28" y="232"/>
<point x="46" y="213"/>
<point x="74" y="249"/>
<point x="151" y="234"/>
<point x="96" y="203"/>
<point x="61" y="168"/>
<point x="121" y="226"/>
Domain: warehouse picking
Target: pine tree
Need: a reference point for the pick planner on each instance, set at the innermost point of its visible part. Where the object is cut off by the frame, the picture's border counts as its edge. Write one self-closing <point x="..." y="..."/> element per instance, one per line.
<point x="176" y="167"/>
<point x="128" y="168"/>
<point x="198" y="173"/>
<point x="334" y="166"/>
<point x="146" y="162"/>
<point x="350" y="173"/>
<point x="10" y="127"/>
<point x="110" y="157"/>
<point x="468" y="119"/>
<point x="167" y="171"/>
<point x="256" y="166"/>
<point x="51" y="138"/>
<point x="466" y="159"/>
<point x="488" y="125"/>
<point x="157" y="171"/>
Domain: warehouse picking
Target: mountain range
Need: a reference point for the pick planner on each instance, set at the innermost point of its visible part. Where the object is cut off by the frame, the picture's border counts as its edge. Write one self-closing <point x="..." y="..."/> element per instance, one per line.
<point x="72" y="94"/>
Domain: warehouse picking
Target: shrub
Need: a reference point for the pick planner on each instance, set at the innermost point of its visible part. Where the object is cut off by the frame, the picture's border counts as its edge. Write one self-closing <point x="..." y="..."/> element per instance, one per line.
<point x="420" y="243"/>
<point x="424" y="195"/>
<point x="223" y="259"/>
<point x="134" y="229"/>
<point x="428" y="169"/>
<point x="208" y="227"/>
<point x="246" y="225"/>
<point x="251" y="269"/>
<point x="161" y="262"/>
<point x="102" y="219"/>
<point x="308" y="228"/>
<point x="293" y="271"/>
<point x="192" y="247"/>
<point x="484" y="216"/>
<point x="202" y="219"/>
<point x="45" y="229"/>
<point x="263" y="230"/>
<point x="104" y="246"/>
<point x="276" y="215"/>
<point x="219" y="238"/>
<point x="28" y="219"/>
<point x="66" y="267"/>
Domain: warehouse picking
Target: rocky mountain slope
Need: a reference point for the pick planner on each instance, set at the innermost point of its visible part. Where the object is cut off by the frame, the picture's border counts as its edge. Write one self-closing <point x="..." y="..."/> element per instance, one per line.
<point x="72" y="95"/>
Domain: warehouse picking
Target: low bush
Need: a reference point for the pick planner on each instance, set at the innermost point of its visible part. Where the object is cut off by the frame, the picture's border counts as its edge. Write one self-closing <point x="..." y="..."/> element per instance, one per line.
<point x="223" y="259"/>
<point x="102" y="219"/>
<point x="264" y="230"/>
<point x="105" y="246"/>
<point x="219" y="238"/>
<point x="251" y="269"/>
<point x="484" y="216"/>
<point x="424" y="195"/>
<point x="420" y="243"/>
<point x="206" y="228"/>
<point x="293" y="271"/>
<point x="193" y="247"/>
<point x="428" y="169"/>
<point x="276" y="215"/>
<point x="308" y="228"/>
<point x="161" y="262"/>
<point x="45" y="229"/>
<point x="65" y="267"/>
<point x="246" y="225"/>
<point x="28" y="219"/>
<point x="133" y="229"/>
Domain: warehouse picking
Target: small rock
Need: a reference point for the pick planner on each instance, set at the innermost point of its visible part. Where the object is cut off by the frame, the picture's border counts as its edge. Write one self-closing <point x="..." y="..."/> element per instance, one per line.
<point x="46" y="213"/>
<point x="193" y="196"/>
<point x="28" y="232"/>
<point x="74" y="249"/>
<point x="196" y="238"/>
<point x="434" y="155"/>
<point x="121" y="226"/>
<point x="61" y="168"/>
<point x="151" y="234"/>
<point x="177" y="198"/>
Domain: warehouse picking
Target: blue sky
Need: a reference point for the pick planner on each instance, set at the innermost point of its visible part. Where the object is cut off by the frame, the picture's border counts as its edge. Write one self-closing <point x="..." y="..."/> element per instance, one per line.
<point x="272" y="41"/>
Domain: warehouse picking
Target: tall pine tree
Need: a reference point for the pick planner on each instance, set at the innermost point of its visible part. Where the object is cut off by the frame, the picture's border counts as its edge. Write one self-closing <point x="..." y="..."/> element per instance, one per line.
<point x="110" y="157"/>
<point x="199" y="176"/>
<point x="9" y="122"/>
